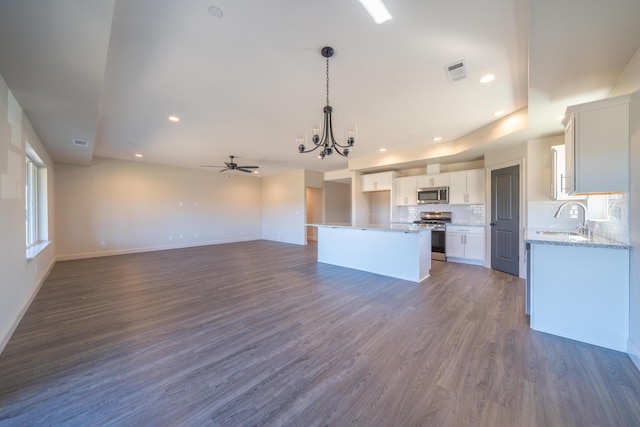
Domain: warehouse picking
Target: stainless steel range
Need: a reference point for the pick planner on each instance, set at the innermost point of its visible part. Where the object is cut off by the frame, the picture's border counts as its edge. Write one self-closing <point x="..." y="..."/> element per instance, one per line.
<point x="438" y="221"/>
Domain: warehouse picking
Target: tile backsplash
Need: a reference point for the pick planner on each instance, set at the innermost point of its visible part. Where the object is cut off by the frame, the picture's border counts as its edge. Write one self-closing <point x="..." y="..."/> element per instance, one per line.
<point x="615" y="227"/>
<point x="460" y="214"/>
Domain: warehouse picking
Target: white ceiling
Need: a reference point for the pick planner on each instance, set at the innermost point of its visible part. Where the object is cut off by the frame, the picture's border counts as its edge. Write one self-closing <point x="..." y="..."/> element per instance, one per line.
<point x="111" y="72"/>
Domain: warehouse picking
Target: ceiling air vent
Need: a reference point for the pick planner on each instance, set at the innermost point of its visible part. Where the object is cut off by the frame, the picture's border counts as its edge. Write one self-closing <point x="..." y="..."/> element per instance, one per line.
<point x="456" y="71"/>
<point x="80" y="143"/>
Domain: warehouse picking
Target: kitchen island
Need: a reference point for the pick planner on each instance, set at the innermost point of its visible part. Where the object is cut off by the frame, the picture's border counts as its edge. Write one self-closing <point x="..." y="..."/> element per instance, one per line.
<point x="397" y="250"/>
<point x="579" y="287"/>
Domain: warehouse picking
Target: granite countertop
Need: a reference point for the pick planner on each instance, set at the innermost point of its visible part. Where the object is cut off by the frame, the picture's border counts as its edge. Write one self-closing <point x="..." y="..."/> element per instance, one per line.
<point x="534" y="236"/>
<point x="405" y="228"/>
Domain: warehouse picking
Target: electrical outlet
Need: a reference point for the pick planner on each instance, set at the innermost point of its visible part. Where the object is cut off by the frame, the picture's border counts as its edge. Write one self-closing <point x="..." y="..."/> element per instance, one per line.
<point x="181" y="237"/>
<point x="180" y="204"/>
<point x="102" y="243"/>
<point x="242" y="232"/>
<point x="195" y="204"/>
<point x="170" y="237"/>
<point x="197" y="235"/>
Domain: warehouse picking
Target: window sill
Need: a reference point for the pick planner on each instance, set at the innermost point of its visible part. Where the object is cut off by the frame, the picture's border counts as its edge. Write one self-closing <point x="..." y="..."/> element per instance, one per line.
<point x="36" y="248"/>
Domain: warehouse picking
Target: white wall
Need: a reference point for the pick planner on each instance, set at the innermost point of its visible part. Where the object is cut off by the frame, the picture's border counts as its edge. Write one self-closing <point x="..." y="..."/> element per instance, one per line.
<point x="634" y="214"/>
<point x="629" y="79"/>
<point x="283" y="207"/>
<point x="629" y="82"/>
<point x="133" y="207"/>
<point x="20" y="278"/>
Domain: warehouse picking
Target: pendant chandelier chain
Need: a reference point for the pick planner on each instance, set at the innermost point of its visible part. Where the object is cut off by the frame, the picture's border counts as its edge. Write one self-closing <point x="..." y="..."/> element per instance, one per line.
<point x="327" y="81"/>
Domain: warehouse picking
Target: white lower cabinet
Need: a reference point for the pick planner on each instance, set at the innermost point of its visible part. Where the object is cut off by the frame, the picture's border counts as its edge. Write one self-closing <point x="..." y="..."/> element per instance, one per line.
<point x="581" y="293"/>
<point x="465" y="244"/>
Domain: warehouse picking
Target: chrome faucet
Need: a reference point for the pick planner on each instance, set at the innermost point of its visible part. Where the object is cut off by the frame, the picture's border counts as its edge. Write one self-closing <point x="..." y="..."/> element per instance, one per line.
<point x="582" y="228"/>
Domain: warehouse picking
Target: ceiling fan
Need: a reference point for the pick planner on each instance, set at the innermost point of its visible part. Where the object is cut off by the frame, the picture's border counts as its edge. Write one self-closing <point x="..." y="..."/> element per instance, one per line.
<point x="231" y="165"/>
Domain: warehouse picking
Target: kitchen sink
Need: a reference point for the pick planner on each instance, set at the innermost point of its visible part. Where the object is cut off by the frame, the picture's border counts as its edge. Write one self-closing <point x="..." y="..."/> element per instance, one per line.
<point x="557" y="233"/>
<point x="570" y="234"/>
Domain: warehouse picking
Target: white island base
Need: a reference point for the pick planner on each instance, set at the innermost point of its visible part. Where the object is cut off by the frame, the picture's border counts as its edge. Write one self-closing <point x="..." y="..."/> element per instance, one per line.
<point x="402" y="252"/>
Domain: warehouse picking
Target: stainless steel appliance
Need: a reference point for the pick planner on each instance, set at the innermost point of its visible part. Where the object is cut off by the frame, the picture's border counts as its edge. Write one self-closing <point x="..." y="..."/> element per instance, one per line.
<point x="437" y="222"/>
<point x="433" y="195"/>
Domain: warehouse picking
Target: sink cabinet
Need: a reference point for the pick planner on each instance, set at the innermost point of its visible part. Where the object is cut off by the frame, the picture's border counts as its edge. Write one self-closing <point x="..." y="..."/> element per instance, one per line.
<point x="597" y="146"/>
<point x="581" y="293"/>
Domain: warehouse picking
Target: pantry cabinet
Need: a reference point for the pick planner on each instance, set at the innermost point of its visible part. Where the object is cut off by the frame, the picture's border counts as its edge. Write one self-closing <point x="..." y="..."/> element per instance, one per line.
<point x="467" y="187"/>
<point x="465" y="244"/>
<point x="597" y="146"/>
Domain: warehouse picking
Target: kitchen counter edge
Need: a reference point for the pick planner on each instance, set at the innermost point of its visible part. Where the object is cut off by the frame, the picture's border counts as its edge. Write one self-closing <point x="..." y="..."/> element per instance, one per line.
<point x="595" y="242"/>
<point x="404" y="228"/>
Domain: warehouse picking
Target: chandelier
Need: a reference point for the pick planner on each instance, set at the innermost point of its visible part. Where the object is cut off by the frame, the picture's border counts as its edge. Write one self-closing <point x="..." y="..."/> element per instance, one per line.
<point x="327" y="142"/>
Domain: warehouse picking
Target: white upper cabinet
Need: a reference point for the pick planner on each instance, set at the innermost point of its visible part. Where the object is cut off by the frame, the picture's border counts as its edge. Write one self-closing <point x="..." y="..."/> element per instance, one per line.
<point x="597" y="146"/>
<point x="559" y="175"/>
<point x="376" y="181"/>
<point x="406" y="190"/>
<point x="467" y="187"/>
<point x="435" y="180"/>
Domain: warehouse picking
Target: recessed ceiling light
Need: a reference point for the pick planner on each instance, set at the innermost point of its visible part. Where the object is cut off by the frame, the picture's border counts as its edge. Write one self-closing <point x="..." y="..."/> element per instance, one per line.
<point x="139" y="155"/>
<point x="487" y="78"/>
<point x="382" y="150"/>
<point x="437" y="138"/>
<point x="174" y="119"/>
<point x="377" y="10"/>
<point x="499" y="113"/>
<point x="216" y="12"/>
<point x="256" y="171"/>
<point x="560" y="117"/>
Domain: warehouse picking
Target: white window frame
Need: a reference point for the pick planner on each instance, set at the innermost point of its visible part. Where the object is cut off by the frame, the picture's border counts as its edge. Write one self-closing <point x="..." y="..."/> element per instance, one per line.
<point x="31" y="202"/>
<point x="36" y="204"/>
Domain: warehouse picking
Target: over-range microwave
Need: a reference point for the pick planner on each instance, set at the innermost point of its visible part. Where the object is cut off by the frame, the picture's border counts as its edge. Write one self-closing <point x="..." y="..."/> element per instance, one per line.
<point x="433" y="195"/>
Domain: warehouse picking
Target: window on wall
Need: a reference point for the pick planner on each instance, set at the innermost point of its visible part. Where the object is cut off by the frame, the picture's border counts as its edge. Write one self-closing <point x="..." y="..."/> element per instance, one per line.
<point x="32" y="202"/>
<point x="35" y="200"/>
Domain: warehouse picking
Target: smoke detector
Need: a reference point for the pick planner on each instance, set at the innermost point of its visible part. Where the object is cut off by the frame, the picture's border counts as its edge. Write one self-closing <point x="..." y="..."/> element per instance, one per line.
<point x="456" y="71"/>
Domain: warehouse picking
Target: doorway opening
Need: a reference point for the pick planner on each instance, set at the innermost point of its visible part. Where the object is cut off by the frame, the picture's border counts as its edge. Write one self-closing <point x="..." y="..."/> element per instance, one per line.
<point x="315" y="211"/>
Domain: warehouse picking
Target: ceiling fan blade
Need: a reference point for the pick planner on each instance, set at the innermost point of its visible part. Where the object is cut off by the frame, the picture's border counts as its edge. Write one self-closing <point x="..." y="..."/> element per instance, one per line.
<point x="243" y="169"/>
<point x="249" y="167"/>
<point x="210" y="166"/>
<point x="225" y="169"/>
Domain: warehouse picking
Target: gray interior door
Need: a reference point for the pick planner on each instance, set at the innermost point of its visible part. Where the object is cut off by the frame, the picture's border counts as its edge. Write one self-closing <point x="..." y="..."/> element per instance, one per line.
<point x="505" y="219"/>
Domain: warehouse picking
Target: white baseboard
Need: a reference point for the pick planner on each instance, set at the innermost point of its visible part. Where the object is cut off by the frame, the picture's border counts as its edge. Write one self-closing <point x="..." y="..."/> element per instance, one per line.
<point x="634" y="352"/>
<point x="12" y="328"/>
<point x="83" y="255"/>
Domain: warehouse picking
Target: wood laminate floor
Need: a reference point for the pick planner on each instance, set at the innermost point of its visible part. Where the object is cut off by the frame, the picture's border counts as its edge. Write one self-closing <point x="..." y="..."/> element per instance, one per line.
<point x="258" y="333"/>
